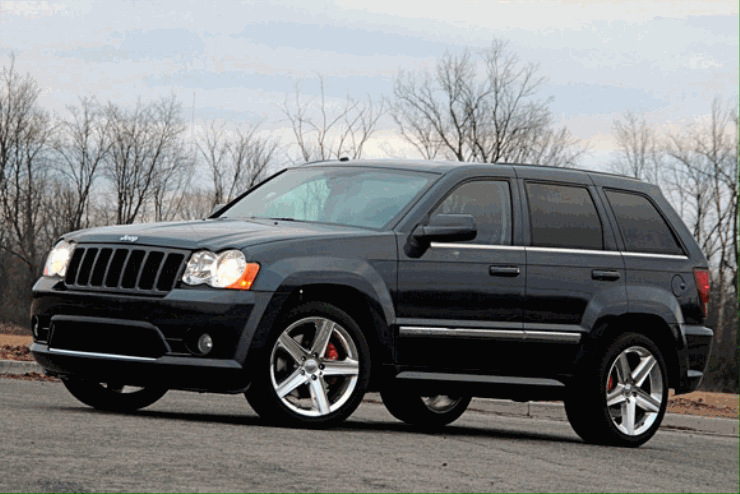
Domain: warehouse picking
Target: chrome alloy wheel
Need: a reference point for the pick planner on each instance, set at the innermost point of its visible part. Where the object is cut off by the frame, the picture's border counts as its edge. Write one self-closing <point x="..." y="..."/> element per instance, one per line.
<point x="314" y="366"/>
<point x="440" y="403"/>
<point x="634" y="390"/>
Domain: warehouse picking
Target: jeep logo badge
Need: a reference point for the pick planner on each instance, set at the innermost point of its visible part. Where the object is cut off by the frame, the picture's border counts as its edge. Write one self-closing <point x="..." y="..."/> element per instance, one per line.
<point x="129" y="238"/>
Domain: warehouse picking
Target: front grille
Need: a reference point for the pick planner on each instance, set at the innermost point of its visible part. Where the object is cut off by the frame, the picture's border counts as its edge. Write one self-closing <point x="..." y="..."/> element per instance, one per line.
<point x="124" y="269"/>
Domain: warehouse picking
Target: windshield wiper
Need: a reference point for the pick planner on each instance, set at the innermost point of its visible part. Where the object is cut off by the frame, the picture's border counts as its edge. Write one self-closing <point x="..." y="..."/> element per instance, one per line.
<point x="282" y="219"/>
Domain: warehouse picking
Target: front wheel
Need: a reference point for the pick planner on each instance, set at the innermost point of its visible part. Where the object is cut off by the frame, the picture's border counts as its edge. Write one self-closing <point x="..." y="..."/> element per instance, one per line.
<point x="314" y="370"/>
<point x="621" y="394"/>
<point x="421" y="410"/>
<point x="112" y="397"/>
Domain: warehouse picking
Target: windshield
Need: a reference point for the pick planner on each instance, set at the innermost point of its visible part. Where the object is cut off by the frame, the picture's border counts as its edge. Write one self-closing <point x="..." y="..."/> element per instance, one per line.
<point x="365" y="197"/>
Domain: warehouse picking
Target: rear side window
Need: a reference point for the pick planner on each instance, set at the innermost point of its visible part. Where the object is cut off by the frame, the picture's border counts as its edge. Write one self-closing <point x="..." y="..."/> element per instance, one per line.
<point x="563" y="216"/>
<point x="642" y="226"/>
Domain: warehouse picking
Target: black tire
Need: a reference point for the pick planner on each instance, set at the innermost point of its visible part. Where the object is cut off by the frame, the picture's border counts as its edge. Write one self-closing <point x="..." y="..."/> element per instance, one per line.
<point x="310" y="396"/>
<point x="421" y="411"/>
<point x="601" y="377"/>
<point x="110" y="397"/>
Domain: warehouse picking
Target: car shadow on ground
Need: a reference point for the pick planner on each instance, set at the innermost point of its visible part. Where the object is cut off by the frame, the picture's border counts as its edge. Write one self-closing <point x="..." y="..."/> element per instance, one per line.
<point x="351" y="425"/>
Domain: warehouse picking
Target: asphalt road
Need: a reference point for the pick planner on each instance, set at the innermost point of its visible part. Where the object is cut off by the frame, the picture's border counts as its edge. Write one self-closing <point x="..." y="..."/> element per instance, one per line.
<point x="191" y="442"/>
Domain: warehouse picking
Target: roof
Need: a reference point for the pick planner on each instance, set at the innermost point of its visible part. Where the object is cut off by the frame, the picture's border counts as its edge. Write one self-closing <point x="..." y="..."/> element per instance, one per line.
<point x="446" y="166"/>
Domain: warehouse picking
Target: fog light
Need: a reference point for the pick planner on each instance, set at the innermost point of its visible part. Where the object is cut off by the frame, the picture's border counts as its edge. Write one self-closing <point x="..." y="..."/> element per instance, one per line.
<point x="205" y="343"/>
<point x="35" y="327"/>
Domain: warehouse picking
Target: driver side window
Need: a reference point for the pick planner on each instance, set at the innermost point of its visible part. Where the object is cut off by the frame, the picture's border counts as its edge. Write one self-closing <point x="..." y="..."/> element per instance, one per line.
<point x="489" y="202"/>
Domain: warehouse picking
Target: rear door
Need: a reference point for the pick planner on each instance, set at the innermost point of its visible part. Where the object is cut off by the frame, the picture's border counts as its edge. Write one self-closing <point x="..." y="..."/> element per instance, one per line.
<point x="574" y="270"/>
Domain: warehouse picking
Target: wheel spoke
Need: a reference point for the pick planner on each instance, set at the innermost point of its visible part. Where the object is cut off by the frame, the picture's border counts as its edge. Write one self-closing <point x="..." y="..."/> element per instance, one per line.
<point x="290" y="383"/>
<point x="628" y="416"/>
<point x="347" y="367"/>
<point x="292" y="347"/>
<point x="623" y="367"/>
<point x="616" y="396"/>
<point x="318" y="396"/>
<point x="323" y="332"/>
<point x="643" y="369"/>
<point x="646" y="401"/>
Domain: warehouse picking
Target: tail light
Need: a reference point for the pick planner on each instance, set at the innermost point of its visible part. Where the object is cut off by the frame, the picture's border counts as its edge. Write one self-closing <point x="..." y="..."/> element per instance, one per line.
<point x="701" y="276"/>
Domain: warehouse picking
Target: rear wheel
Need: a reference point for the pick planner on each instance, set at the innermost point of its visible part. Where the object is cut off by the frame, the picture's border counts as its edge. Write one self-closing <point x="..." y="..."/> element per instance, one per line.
<point x="114" y="397"/>
<point x="423" y="411"/>
<point x="621" y="395"/>
<point x="314" y="370"/>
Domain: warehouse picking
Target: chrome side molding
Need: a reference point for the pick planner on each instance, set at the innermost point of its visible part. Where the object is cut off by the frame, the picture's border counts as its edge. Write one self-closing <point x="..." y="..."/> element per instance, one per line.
<point x="496" y="334"/>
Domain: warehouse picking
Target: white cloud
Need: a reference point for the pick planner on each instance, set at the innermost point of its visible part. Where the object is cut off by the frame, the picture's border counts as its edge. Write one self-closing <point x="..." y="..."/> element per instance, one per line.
<point x="31" y="9"/>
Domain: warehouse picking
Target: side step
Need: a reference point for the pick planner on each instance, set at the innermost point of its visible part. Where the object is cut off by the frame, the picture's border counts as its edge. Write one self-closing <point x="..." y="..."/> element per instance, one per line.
<point x="507" y="387"/>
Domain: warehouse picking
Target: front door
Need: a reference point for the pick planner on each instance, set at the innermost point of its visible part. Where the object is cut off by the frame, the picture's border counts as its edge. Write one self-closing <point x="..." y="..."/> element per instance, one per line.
<point x="460" y="305"/>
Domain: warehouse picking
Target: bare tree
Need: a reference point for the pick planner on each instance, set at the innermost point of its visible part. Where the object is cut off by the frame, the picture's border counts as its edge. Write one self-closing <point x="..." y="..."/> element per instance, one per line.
<point x="214" y="150"/>
<point x="24" y="137"/>
<point x="171" y="184"/>
<point x="236" y="161"/>
<point x="324" y="130"/>
<point x="704" y="162"/>
<point x="640" y="151"/>
<point x="250" y="155"/>
<point x="481" y="109"/>
<point x="144" y="144"/>
<point x="82" y="143"/>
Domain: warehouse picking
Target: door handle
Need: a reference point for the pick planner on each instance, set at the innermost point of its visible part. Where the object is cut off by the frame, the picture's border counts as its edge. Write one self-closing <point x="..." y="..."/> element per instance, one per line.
<point x="605" y="275"/>
<point x="509" y="271"/>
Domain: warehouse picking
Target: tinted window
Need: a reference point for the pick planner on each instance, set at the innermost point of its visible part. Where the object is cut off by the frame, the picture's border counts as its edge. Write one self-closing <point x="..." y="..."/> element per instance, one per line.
<point x="563" y="216"/>
<point x="642" y="227"/>
<point x="489" y="202"/>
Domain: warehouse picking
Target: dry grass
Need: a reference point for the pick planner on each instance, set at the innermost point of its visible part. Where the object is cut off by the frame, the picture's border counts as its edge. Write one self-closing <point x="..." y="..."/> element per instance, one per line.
<point x="13" y="329"/>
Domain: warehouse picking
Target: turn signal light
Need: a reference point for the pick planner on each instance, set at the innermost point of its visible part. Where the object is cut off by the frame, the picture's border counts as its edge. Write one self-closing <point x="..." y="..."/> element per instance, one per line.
<point x="247" y="278"/>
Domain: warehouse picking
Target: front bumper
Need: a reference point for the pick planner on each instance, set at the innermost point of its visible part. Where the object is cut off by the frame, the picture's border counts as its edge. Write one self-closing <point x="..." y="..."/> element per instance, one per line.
<point x="144" y="340"/>
<point x="171" y="372"/>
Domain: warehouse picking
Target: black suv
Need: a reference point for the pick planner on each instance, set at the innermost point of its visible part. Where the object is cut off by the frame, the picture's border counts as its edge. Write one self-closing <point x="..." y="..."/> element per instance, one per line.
<point x="429" y="282"/>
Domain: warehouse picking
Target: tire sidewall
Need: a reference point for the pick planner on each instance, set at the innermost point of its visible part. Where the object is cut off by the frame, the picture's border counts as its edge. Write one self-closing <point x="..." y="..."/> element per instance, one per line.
<point x="99" y="397"/>
<point x="262" y="395"/>
<point x="620" y="344"/>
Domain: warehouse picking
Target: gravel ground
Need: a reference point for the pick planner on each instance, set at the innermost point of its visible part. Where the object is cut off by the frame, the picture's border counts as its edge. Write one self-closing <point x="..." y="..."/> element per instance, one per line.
<point x="14" y="346"/>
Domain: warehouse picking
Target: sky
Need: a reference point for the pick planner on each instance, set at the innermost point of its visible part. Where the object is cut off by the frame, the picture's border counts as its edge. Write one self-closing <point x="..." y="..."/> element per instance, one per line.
<point x="239" y="60"/>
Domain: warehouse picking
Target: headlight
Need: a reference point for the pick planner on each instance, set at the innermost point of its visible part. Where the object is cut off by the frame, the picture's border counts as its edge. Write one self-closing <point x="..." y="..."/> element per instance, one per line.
<point x="58" y="259"/>
<point x="228" y="269"/>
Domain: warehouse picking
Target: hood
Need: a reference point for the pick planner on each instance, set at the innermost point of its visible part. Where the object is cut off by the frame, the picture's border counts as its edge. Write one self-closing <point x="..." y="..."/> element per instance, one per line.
<point x="213" y="234"/>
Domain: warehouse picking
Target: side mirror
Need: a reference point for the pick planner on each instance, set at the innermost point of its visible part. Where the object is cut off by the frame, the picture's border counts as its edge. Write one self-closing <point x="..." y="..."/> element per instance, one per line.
<point x="441" y="228"/>
<point x="448" y="228"/>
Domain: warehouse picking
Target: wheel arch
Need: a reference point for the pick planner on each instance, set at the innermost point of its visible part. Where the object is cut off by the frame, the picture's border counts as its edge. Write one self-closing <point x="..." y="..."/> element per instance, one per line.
<point x="665" y="335"/>
<point x="363" y="309"/>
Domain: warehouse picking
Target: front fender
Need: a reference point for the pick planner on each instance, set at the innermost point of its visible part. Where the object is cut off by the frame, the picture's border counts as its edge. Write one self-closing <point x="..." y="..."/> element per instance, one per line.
<point x="288" y="274"/>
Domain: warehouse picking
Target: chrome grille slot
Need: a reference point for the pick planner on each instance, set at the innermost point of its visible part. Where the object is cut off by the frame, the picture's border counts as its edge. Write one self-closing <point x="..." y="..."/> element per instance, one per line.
<point x="124" y="269"/>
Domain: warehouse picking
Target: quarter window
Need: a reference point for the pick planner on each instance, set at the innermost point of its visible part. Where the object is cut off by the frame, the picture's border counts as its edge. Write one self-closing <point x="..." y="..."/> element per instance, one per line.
<point x="643" y="228"/>
<point x="563" y="216"/>
<point x="489" y="202"/>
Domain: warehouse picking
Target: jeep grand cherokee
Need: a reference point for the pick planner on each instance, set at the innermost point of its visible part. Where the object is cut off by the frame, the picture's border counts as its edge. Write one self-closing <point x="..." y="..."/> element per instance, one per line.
<point x="428" y="282"/>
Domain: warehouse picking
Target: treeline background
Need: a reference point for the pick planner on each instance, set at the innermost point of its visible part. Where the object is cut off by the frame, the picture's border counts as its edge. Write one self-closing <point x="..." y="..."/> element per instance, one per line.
<point x="102" y="163"/>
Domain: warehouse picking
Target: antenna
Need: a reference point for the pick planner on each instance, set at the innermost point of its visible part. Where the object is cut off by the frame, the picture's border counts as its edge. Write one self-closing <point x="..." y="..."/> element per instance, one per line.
<point x="192" y="131"/>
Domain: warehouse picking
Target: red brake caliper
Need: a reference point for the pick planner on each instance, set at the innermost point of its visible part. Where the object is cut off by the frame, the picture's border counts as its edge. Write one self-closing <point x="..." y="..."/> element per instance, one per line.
<point x="331" y="352"/>
<point x="610" y="384"/>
